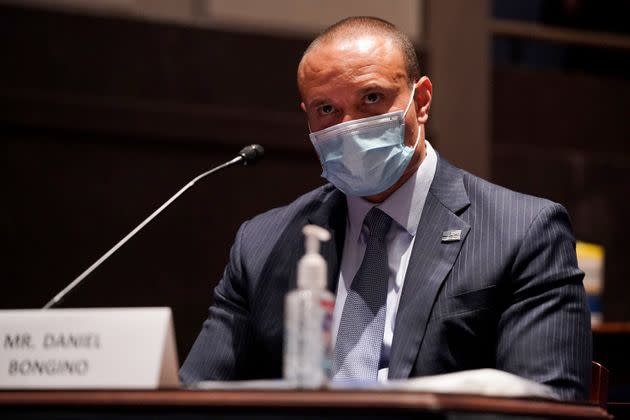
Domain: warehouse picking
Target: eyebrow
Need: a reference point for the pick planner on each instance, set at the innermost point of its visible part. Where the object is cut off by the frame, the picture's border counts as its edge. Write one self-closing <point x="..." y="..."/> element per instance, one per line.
<point x="371" y="86"/>
<point x="376" y="86"/>
<point x="317" y="102"/>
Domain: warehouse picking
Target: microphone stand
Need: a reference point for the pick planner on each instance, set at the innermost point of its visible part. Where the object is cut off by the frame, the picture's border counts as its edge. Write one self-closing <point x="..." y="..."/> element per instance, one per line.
<point x="247" y="156"/>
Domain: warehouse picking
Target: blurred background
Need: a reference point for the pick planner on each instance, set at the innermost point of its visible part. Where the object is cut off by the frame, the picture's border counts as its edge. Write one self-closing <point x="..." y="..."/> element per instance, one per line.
<point x="107" y="107"/>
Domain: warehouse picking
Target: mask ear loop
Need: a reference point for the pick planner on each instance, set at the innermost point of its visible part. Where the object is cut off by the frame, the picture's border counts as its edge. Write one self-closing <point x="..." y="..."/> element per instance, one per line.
<point x="413" y="91"/>
<point x="417" y="139"/>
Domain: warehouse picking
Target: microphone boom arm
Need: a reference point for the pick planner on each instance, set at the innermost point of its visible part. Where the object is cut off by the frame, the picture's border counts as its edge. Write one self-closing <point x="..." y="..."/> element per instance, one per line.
<point x="59" y="296"/>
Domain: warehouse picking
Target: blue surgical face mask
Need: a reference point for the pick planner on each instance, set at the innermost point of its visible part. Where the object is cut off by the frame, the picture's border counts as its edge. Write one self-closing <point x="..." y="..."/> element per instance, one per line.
<point x="367" y="156"/>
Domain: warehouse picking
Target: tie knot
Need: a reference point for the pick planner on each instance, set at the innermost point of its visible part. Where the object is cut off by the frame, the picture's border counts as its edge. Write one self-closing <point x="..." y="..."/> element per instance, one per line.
<point x="378" y="223"/>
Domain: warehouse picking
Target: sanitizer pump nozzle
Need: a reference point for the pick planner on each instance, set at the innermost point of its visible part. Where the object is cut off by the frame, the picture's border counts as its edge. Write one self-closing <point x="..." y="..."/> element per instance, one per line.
<point x="312" y="268"/>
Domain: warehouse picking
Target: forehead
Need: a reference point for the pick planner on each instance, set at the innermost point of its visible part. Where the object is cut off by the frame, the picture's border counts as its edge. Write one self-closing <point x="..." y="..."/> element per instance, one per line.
<point x="351" y="61"/>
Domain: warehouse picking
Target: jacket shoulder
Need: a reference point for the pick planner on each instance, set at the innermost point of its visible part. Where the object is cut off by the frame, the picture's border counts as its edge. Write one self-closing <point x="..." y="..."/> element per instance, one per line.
<point x="483" y="192"/>
<point x="303" y="205"/>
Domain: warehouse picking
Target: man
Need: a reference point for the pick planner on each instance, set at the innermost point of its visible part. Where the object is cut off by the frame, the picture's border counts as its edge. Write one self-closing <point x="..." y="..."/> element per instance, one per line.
<point x="471" y="275"/>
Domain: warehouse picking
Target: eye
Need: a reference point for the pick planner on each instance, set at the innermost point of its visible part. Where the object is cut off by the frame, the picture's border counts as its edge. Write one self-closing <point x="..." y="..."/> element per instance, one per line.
<point x="372" y="98"/>
<point x="326" y="109"/>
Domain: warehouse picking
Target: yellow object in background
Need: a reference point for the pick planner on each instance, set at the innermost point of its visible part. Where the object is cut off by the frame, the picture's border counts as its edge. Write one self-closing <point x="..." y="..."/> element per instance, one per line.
<point x="591" y="260"/>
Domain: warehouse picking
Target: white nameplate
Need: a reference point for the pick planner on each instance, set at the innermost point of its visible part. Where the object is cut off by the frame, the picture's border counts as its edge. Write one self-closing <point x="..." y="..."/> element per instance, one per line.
<point x="117" y="348"/>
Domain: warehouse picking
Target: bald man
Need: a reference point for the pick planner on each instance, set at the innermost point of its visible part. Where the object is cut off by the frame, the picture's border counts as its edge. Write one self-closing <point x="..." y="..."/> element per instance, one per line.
<point x="434" y="269"/>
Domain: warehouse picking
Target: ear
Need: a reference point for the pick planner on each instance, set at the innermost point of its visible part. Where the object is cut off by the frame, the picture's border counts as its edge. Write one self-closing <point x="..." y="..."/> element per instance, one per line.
<point x="303" y="106"/>
<point x="422" y="99"/>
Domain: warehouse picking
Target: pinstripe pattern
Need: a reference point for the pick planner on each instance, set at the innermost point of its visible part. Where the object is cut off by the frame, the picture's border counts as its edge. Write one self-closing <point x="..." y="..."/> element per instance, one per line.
<point x="508" y="295"/>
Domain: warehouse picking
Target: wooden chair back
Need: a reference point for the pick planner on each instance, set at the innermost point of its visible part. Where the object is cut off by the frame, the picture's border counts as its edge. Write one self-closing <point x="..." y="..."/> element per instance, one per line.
<point x="599" y="384"/>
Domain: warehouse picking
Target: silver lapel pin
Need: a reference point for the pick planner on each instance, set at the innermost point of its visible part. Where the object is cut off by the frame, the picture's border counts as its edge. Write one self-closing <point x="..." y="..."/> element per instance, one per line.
<point x="451" y="235"/>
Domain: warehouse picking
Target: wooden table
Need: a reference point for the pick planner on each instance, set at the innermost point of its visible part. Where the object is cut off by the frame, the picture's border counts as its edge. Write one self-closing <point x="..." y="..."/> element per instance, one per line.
<point x="167" y="404"/>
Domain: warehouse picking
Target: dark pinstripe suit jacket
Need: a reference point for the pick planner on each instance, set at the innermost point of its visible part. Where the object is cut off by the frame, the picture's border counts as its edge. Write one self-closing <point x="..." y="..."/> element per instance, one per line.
<point x="508" y="295"/>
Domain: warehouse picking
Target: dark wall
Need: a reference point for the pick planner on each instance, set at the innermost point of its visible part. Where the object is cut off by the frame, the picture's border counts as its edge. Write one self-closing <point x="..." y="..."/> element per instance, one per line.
<point x="103" y="119"/>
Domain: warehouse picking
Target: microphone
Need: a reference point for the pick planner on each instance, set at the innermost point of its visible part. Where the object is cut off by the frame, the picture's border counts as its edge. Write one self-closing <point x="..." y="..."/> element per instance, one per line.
<point x="251" y="154"/>
<point x="247" y="156"/>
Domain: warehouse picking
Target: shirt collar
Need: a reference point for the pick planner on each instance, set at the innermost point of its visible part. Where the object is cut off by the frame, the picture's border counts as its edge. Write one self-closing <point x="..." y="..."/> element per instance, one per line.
<point x="404" y="205"/>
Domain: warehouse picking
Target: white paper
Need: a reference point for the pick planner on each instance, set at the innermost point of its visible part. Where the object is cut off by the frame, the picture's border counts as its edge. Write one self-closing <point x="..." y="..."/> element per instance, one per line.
<point x="258" y="384"/>
<point x="486" y="382"/>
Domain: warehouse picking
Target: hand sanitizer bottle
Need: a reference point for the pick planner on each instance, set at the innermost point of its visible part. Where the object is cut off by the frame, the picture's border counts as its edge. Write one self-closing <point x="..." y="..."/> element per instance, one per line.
<point x="308" y="318"/>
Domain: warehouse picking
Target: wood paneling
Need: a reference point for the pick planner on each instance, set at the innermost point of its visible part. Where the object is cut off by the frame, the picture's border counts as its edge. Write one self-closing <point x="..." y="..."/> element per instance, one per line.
<point x="103" y="119"/>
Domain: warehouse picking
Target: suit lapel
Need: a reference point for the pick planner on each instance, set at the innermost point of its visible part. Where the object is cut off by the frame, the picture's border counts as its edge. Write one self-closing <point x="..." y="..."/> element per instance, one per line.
<point x="431" y="260"/>
<point x="332" y="216"/>
<point x="327" y="211"/>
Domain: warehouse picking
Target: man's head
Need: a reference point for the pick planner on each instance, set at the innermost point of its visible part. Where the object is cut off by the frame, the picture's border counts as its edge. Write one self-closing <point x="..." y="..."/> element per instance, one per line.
<point x="361" y="67"/>
<point x="362" y="25"/>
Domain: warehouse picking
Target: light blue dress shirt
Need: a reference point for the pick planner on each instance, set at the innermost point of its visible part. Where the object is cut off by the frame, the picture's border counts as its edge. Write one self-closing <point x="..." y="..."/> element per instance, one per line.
<point x="404" y="206"/>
